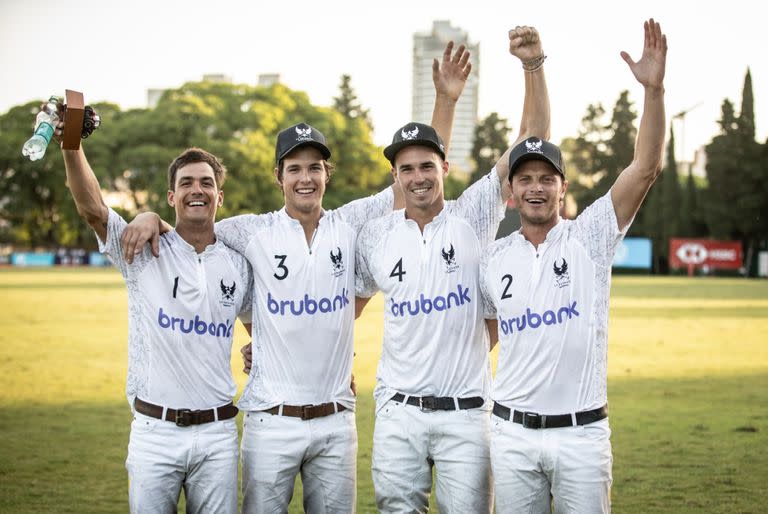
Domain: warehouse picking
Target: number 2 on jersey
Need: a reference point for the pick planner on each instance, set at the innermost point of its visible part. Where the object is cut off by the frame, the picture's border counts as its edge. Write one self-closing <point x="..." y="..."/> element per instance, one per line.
<point x="506" y="294"/>
<point x="281" y="266"/>
<point x="397" y="271"/>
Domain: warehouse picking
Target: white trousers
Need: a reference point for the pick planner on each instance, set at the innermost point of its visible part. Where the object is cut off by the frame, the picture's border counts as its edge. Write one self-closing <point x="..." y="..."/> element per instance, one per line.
<point x="569" y="467"/>
<point x="277" y="448"/>
<point x="408" y="442"/>
<point x="163" y="458"/>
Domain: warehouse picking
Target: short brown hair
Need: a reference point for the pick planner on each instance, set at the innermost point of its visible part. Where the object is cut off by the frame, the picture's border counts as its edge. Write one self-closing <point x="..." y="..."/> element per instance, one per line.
<point x="191" y="156"/>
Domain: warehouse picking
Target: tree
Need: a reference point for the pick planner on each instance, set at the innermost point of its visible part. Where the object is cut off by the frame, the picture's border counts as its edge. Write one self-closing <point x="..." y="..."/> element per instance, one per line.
<point x="347" y="104"/>
<point x="737" y="174"/>
<point x="601" y="150"/>
<point x="491" y="140"/>
<point x="131" y="152"/>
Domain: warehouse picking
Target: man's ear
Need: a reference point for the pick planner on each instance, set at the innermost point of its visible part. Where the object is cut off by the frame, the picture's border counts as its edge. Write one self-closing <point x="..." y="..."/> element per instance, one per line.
<point x="170" y="198"/>
<point x="277" y="179"/>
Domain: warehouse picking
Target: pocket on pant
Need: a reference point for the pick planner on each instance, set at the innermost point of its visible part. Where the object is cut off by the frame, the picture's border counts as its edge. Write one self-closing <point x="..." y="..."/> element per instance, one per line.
<point x="386" y="410"/>
<point x="256" y="421"/>
<point x="597" y="431"/>
<point x="144" y="424"/>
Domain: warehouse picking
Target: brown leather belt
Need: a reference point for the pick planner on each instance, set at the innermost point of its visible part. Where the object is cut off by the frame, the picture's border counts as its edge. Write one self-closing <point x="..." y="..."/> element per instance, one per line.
<point x="185" y="417"/>
<point x="306" y="412"/>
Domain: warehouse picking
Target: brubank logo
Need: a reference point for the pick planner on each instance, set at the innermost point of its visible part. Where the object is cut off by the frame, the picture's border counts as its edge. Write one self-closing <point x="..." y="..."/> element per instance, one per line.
<point x="534" y="320"/>
<point x="427" y="305"/>
<point x="307" y="305"/>
<point x="199" y="326"/>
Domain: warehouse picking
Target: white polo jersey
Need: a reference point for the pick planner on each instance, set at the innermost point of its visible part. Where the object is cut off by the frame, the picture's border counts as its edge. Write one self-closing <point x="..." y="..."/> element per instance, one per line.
<point x="182" y="309"/>
<point x="435" y="340"/>
<point x="304" y="302"/>
<point x="552" y="307"/>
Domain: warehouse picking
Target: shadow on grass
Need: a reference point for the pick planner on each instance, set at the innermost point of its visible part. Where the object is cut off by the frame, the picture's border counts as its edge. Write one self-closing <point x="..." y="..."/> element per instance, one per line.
<point x="680" y="445"/>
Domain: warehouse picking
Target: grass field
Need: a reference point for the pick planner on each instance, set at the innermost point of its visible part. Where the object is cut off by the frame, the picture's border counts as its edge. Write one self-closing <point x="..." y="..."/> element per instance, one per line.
<point x="688" y="388"/>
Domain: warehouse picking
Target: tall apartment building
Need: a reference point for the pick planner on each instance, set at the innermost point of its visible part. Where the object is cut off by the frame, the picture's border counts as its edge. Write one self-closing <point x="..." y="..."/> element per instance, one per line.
<point x="430" y="45"/>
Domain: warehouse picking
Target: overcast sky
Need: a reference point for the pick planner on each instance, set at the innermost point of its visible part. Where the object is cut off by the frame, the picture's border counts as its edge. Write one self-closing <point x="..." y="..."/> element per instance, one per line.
<point x="117" y="50"/>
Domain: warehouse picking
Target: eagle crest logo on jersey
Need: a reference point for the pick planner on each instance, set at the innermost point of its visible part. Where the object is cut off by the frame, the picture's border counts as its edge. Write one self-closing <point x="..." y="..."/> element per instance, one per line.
<point x="337" y="264"/>
<point x="533" y="146"/>
<point x="410" y="134"/>
<point x="562" y="278"/>
<point x="303" y="134"/>
<point x="449" y="256"/>
<point x="227" y="293"/>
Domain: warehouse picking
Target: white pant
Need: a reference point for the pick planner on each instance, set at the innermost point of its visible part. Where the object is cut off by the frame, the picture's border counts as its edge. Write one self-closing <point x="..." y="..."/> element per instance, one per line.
<point x="276" y="448"/>
<point x="407" y="443"/>
<point x="572" y="464"/>
<point x="163" y="458"/>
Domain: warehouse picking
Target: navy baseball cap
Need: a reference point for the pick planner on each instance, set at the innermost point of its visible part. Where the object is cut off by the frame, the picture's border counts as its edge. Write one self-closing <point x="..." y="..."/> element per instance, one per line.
<point x="298" y="135"/>
<point x="536" y="149"/>
<point x="414" y="134"/>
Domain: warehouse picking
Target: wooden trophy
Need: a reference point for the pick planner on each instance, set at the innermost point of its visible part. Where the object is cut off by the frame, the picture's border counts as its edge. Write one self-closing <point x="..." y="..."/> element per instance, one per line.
<point x="75" y="115"/>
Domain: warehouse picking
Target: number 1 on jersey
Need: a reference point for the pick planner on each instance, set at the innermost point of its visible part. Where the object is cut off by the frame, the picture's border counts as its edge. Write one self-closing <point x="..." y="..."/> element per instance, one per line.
<point x="397" y="271"/>
<point x="175" y="286"/>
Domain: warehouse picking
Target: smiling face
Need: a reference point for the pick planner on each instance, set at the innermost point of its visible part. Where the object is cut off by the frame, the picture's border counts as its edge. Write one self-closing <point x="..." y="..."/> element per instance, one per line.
<point x="538" y="190"/>
<point x="420" y="172"/>
<point x="195" y="196"/>
<point x="302" y="178"/>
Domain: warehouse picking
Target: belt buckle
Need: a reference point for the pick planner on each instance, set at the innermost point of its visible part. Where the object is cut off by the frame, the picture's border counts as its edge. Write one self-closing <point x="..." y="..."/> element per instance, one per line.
<point x="427" y="403"/>
<point x="531" y="420"/>
<point x="183" y="417"/>
<point x="306" y="411"/>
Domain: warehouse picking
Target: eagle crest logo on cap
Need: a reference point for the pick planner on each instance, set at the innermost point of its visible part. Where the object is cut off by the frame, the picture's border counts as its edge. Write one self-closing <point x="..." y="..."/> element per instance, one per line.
<point x="304" y="134"/>
<point x="533" y="146"/>
<point x="410" y="134"/>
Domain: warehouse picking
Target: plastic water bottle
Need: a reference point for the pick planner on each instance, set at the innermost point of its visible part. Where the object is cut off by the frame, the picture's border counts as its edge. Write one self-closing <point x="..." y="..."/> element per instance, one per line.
<point x="45" y="123"/>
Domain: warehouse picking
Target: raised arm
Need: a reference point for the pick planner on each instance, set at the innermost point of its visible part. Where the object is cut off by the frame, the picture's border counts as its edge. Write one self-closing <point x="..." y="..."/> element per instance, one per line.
<point x="525" y="44"/>
<point x="85" y="189"/>
<point x="449" y="77"/>
<point x="634" y="182"/>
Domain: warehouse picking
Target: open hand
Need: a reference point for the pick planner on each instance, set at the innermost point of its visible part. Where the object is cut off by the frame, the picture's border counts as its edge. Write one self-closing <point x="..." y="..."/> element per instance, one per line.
<point x="450" y="74"/>
<point x="649" y="70"/>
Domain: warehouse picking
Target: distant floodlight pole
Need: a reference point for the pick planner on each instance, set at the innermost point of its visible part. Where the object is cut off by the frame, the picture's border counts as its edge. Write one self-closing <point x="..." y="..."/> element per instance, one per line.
<point x="681" y="116"/>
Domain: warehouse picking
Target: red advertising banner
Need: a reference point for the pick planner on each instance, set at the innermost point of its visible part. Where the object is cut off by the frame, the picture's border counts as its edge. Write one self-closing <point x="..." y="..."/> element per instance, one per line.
<point x="700" y="253"/>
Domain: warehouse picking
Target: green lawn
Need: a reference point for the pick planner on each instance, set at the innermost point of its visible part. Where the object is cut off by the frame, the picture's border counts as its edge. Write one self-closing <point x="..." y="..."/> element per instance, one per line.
<point x="688" y="390"/>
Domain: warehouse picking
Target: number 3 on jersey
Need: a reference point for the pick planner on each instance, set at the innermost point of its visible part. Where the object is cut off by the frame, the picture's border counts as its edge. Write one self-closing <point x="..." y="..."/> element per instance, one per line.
<point x="397" y="271"/>
<point x="282" y="269"/>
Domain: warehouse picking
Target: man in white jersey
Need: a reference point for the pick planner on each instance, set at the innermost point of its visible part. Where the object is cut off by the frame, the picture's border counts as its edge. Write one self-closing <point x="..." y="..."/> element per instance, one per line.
<point x="434" y="374"/>
<point x="548" y="284"/>
<point x="182" y="312"/>
<point x="298" y="402"/>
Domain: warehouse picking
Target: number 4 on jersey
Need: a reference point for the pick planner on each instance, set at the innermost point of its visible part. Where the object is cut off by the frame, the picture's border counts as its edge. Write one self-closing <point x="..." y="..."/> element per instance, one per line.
<point x="397" y="271"/>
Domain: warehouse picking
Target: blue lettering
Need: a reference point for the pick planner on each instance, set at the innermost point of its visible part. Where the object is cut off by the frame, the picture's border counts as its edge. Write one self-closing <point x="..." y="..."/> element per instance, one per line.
<point x="196" y="325"/>
<point x="425" y="304"/>
<point x="200" y="326"/>
<point x="310" y="306"/>
<point x="188" y="329"/>
<point x="534" y="320"/>
<point x="163" y="320"/>
<point x="294" y="311"/>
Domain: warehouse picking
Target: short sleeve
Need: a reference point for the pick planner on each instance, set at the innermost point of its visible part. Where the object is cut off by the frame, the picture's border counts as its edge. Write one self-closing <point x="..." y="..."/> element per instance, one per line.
<point x="598" y="230"/>
<point x="486" y="295"/>
<point x="237" y="231"/>
<point x="365" y="284"/>
<point x="358" y="212"/>
<point x="482" y="205"/>
<point x="113" y="249"/>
